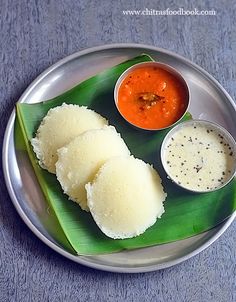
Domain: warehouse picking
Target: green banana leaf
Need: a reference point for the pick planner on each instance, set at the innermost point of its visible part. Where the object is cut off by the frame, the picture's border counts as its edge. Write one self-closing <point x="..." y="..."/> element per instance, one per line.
<point x="186" y="214"/>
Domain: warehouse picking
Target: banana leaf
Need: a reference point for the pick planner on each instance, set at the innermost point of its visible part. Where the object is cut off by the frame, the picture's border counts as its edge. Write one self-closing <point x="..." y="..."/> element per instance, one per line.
<point x="186" y="214"/>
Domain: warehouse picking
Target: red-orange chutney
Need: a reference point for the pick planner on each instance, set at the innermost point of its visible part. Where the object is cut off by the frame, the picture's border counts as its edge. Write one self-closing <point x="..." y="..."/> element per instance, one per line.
<point x="152" y="97"/>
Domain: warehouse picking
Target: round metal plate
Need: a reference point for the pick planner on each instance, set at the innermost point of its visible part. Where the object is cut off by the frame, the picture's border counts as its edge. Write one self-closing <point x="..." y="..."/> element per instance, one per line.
<point x="209" y="101"/>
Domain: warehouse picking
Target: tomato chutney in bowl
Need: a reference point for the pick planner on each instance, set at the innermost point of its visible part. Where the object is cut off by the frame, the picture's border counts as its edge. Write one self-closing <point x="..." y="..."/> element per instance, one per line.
<point x="151" y="96"/>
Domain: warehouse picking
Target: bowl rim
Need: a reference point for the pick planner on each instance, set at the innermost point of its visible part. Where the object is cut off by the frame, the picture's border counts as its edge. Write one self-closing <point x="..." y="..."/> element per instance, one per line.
<point x="164" y="66"/>
<point x="216" y="126"/>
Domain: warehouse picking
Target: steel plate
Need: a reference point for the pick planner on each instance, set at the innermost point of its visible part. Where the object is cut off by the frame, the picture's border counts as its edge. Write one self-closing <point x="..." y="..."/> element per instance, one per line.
<point x="208" y="101"/>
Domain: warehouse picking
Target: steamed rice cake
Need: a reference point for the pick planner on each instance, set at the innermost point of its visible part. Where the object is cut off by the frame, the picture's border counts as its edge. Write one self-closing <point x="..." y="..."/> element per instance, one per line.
<point x="79" y="161"/>
<point x="126" y="197"/>
<point x="59" y="127"/>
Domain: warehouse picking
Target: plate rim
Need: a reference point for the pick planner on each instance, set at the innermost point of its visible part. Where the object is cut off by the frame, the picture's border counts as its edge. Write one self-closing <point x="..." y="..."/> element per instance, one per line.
<point x="33" y="228"/>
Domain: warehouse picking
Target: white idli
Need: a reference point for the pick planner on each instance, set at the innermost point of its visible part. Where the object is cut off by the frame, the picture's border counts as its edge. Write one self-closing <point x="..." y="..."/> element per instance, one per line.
<point x="126" y="197"/>
<point x="59" y="127"/>
<point x="79" y="161"/>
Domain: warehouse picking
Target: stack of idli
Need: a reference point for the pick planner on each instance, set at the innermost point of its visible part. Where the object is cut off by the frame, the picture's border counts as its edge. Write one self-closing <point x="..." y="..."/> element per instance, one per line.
<point x="95" y="169"/>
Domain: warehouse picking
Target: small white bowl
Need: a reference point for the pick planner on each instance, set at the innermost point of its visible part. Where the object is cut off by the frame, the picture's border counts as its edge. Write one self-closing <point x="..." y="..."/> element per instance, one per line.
<point x="199" y="156"/>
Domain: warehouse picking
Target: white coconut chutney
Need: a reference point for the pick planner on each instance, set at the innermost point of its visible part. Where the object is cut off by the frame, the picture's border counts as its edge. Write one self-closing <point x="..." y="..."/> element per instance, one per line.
<point x="199" y="156"/>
